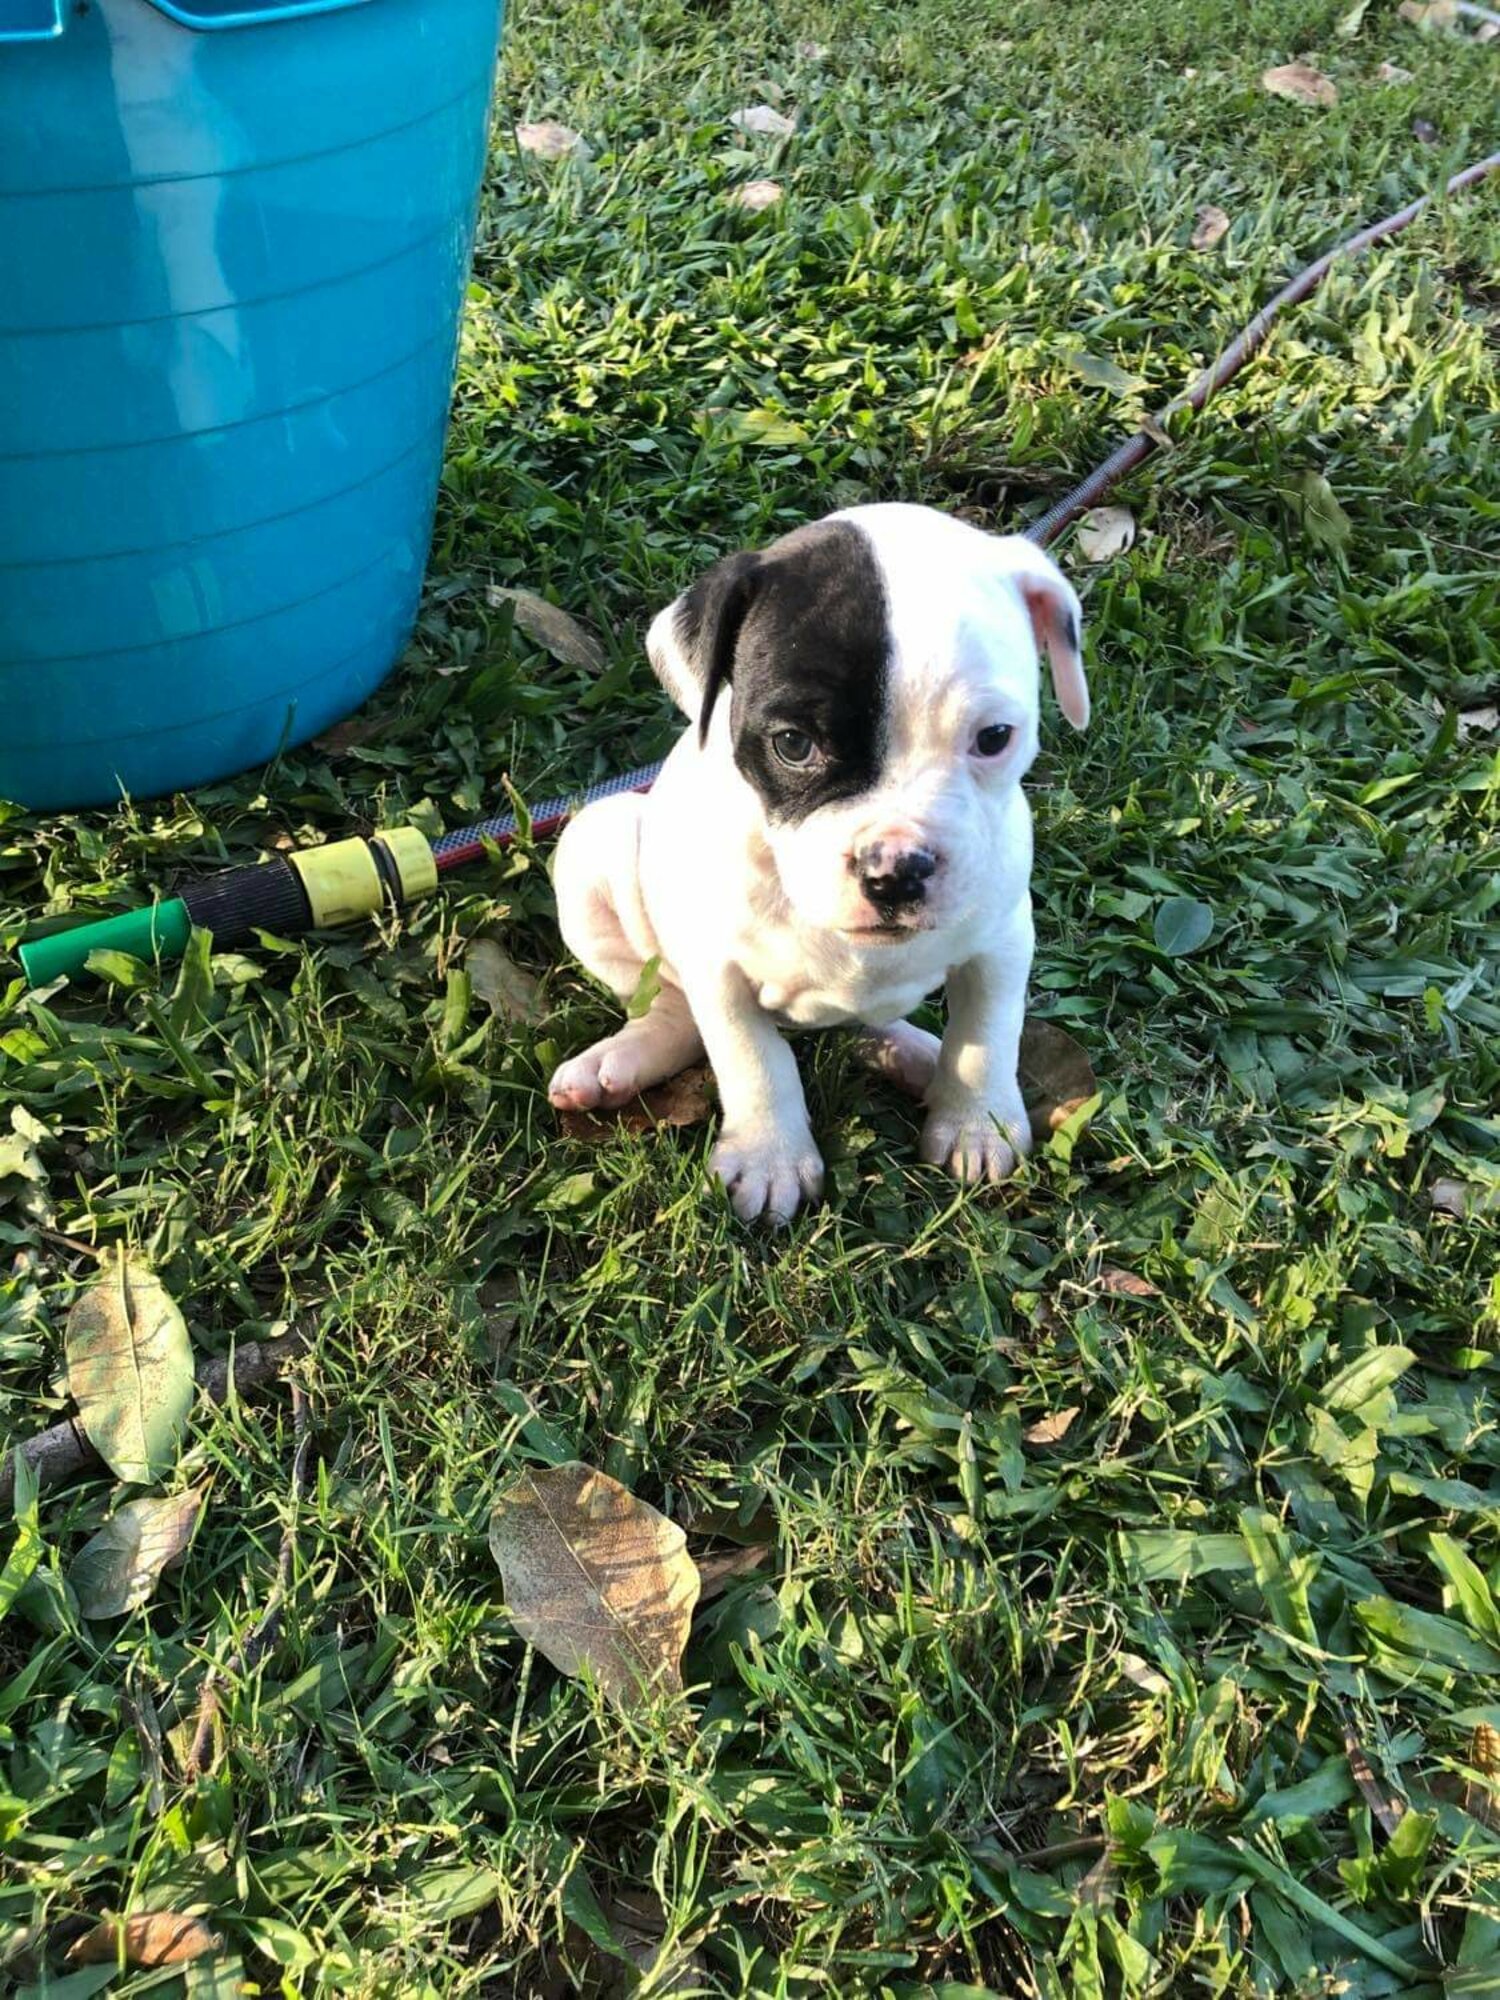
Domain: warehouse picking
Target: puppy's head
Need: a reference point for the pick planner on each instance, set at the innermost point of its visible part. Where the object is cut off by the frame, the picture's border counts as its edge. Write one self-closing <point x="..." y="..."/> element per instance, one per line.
<point x="880" y="674"/>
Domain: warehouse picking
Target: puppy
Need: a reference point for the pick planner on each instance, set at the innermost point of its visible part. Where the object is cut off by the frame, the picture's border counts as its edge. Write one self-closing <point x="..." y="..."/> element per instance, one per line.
<point x="839" y="833"/>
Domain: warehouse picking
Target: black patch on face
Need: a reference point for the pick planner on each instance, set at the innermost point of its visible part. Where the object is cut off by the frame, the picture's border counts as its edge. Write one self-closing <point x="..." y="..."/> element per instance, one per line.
<point x="802" y="633"/>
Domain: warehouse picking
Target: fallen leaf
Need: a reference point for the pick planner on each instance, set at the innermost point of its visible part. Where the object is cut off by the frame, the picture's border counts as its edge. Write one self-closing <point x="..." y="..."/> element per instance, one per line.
<point x="1210" y="225"/>
<point x="116" y="1570"/>
<point x="811" y="51"/>
<point x="562" y="635"/>
<point x="1099" y="372"/>
<point x="1127" y="1284"/>
<point x="549" y="141"/>
<point x="1461" y="1198"/>
<point x="1050" y="1430"/>
<point x="1301" y="83"/>
<point x="1098" y="1889"/>
<point x="1182" y="925"/>
<point x="347" y="735"/>
<point x="1482" y="721"/>
<point x="639" y="1925"/>
<point x="147" y="1939"/>
<point x="764" y="121"/>
<point x="1105" y="532"/>
<point x="1388" y="1810"/>
<point x="1056" y="1076"/>
<point x="1141" y="1675"/>
<point x="755" y="195"/>
<point x="1434" y="14"/>
<point x="508" y="992"/>
<point x="595" y="1579"/>
<point x="717" y="1572"/>
<point x="1390" y="72"/>
<point x="682" y="1100"/>
<point x="130" y="1370"/>
<point x="1353" y="21"/>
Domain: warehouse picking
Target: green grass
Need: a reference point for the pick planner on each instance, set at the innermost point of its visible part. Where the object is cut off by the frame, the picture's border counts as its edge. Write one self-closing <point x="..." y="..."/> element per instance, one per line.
<point x="1049" y="1719"/>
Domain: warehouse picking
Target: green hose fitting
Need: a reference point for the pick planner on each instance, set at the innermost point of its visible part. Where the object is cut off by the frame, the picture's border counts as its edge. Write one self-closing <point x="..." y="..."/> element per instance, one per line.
<point x="160" y="930"/>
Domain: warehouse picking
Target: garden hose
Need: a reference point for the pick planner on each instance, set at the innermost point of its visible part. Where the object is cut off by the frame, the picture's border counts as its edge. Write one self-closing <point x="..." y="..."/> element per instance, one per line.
<point x="325" y="888"/>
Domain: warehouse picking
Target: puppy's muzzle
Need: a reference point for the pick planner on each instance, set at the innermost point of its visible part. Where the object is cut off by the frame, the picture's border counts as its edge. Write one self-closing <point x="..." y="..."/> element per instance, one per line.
<point x="893" y="880"/>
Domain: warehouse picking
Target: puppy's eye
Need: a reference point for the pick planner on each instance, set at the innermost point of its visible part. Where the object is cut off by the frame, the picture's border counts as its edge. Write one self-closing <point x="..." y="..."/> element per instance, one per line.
<point x="795" y="747"/>
<point x="991" y="741"/>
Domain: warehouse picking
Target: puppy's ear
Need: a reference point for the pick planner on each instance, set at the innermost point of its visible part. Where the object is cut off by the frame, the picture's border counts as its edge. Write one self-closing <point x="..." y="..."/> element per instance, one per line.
<point x="691" y="644"/>
<point x="1056" y="619"/>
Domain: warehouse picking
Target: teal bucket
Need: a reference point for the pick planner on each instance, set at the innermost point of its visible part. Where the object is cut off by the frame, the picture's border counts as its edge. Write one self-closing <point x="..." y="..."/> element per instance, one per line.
<point x="234" y="242"/>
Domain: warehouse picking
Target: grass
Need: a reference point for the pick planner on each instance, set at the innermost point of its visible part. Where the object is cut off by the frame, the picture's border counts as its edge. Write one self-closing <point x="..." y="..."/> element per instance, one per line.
<point x="999" y="1715"/>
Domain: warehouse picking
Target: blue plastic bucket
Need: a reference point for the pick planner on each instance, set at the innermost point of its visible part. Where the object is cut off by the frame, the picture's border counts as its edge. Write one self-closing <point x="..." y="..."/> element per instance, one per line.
<point x="234" y="240"/>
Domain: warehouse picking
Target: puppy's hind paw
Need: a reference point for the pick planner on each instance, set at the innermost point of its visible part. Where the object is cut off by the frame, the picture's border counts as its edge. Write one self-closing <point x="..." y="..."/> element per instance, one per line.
<point x="768" y="1174"/>
<point x="974" y="1144"/>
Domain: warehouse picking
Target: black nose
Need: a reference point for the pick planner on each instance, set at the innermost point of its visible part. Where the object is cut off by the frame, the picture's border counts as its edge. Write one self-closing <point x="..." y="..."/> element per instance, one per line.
<point x="895" y="879"/>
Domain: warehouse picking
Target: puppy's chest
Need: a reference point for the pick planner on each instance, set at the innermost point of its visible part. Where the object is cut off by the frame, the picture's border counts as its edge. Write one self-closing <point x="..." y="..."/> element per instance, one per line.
<point x="825" y="985"/>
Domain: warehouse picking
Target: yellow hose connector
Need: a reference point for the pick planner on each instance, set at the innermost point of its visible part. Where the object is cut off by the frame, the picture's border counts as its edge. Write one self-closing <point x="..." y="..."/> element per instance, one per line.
<point x="345" y="880"/>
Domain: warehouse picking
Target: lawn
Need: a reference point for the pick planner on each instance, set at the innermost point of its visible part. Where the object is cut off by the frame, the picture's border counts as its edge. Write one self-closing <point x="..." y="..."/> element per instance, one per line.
<point x="1129" y="1614"/>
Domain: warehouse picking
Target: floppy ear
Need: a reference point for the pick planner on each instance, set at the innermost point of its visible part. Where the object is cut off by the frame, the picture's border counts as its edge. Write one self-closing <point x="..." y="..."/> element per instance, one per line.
<point x="1056" y="619"/>
<point x="691" y="644"/>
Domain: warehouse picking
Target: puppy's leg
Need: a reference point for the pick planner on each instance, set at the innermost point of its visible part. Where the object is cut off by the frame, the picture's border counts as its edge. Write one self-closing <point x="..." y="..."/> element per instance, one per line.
<point x="906" y="1055"/>
<point x="976" y="1121"/>
<point x="605" y="926"/>
<point x="765" y="1157"/>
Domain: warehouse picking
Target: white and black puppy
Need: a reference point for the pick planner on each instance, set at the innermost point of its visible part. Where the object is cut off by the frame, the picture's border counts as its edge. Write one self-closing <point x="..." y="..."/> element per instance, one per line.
<point x="841" y="832"/>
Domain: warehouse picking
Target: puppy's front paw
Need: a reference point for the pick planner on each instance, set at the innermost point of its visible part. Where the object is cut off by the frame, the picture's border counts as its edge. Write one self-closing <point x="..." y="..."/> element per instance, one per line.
<point x="768" y="1171"/>
<point x="976" y="1142"/>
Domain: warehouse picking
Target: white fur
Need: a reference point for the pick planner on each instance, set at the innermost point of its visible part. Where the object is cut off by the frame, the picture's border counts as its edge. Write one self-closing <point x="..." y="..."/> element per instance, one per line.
<point x="752" y="922"/>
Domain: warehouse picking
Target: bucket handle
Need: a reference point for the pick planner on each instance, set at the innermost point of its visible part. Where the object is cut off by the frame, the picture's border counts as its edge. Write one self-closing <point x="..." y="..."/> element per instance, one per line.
<point x="42" y="20"/>
<point x="247" y="13"/>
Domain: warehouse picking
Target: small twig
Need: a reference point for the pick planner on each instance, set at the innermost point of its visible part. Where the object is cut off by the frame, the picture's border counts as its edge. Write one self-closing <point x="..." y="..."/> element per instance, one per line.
<point x="1081" y="1849"/>
<point x="63" y="1451"/>
<point x="263" y="1634"/>
<point x="74" y="1243"/>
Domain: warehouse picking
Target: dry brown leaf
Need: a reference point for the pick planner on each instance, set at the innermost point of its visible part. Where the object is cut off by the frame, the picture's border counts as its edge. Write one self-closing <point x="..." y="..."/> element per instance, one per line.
<point x="1053" y="1429"/>
<point x="508" y="992"/>
<point x="347" y="735"/>
<point x="1390" y="72"/>
<point x="116" y="1570"/>
<point x="1481" y="721"/>
<point x="595" y="1579"/>
<point x="1056" y="1076"/>
<point x="1388" y="1809"/>
<point x="1460" y="1198"/>
<point x="1127" y="1284"/>
<point x="562" y="635"/>
<point x="1141" y="1675"/>
<point x="755" y="195"/>
<point x="1432" y="14"/>
<point x="717" y="1572"/>
<point x="1301" y="83"/>
<point x="1484" y="1749"/>
<point x="1210" y="226"/>
<point x="764" y="120"/>
<point x="1105" y="532"/>
<point x="550" y="141"/>
<point x="639" y="1924"/>
<point x="156" y="1938"/>
<point x="681" y="1100"/>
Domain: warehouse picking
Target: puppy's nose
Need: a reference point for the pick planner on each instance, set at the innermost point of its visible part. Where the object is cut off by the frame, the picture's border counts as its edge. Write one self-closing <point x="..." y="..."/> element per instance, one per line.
<point x="894" y="878"/>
